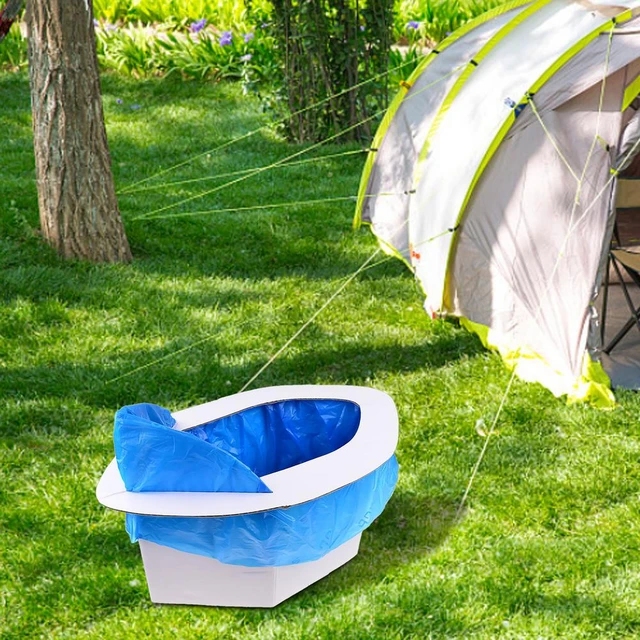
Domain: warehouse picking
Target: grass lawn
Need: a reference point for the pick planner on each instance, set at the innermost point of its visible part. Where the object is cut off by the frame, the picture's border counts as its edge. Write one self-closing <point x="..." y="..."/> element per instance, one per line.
<point x="549" y="545"/>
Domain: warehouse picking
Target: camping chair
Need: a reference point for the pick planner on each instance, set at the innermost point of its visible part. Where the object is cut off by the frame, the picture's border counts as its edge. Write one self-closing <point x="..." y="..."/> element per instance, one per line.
<point x="630" y="262"/>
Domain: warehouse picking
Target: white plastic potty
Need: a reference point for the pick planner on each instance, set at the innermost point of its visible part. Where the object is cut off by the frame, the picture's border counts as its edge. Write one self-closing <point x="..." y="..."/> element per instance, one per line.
<point x="177" y="577"/>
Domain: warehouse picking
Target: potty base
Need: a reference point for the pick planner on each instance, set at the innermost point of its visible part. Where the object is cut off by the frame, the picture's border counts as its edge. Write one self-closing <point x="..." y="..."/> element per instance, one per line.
<point x="176" y="577"/>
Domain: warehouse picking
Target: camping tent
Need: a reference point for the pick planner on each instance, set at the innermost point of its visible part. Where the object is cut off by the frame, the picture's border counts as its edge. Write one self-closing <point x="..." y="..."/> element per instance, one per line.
<point x="493" y="177"/>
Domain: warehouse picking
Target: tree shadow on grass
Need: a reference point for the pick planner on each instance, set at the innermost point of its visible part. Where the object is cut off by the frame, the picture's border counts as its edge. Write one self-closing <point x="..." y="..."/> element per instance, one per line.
<point x="31" y="271"/>
<point x="358" y="363"/>
<point x="200" y="374"/>
<point x="307" y="242"/>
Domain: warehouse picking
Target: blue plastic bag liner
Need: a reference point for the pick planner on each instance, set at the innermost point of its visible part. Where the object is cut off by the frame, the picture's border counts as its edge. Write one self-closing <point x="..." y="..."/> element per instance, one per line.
<point x="276" y="436"/>
<point x="152" y="456"/>
<point x="229" y="454"/>
<point x="278" y="537"/>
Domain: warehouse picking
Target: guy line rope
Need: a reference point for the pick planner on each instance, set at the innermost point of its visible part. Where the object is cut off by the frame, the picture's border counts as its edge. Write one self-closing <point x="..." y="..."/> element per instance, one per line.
<point x="211" y="336"/>
<point x="366" y="265"/>
<point x="276" y="205"/>
<point x="264" y="127"/>
<point x="284" y="160"/>
<point x="239" y="172"/>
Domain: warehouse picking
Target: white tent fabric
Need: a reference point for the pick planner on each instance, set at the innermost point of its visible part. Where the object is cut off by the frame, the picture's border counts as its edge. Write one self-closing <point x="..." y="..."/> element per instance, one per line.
<point x="510" y="272"/>
<point x="512" y="65"/>
<point x="398" y="152"/>
<point x="493" y="231"/>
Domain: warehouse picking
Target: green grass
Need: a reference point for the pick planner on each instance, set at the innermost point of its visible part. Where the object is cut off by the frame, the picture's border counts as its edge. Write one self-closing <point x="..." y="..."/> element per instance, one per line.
<point x="549" y="546"/>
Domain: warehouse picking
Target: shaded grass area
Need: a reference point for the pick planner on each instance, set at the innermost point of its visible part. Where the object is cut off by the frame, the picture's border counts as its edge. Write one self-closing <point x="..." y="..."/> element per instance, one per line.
<point x="550" y="543"/>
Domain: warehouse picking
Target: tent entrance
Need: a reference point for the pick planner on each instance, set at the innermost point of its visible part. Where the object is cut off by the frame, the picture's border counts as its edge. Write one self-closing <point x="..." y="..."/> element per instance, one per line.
<point x="622" y="364"/>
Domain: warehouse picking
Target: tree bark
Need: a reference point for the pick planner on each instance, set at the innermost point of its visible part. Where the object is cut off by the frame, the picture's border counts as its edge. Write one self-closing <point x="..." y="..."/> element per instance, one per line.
<point x="79" y="212"/>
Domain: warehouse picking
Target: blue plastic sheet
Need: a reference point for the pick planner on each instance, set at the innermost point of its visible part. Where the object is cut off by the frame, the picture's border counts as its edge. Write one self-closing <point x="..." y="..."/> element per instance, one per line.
<point x="230" y="454"/>
<point x="152" y="456"/>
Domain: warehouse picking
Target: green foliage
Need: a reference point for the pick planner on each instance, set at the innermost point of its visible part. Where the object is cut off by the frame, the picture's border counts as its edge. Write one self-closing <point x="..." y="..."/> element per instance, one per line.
<point x="13" y="51"/>
<point x="549" y="546"/>
<point x="147" y="50"/>
<point x="222" y="13"/>
<point x="436" y="18"/>
<point x="150" y="37"/>
<point x="113" y="10"/>
<point x="402" y="61"/>
<point x="325" y="47"/>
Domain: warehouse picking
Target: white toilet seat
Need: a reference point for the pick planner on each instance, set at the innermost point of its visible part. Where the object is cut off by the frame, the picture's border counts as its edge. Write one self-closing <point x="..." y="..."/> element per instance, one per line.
<point x="373" y="444"/>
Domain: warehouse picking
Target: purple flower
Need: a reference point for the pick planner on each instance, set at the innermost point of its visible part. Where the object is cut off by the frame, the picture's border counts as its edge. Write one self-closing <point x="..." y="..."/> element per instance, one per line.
<point x="96" y="23"/>
<point x="198" y="25"/>
<point x="119" y="101"/>
<point x="361" y="27"/>
<point x="246" y="57"/>
<point x="110" y="27"/>
<point x="135" y="107"/>
<point x="225" y="38"/>
<point x="413" y="24"/>
<point x="264" y="25"/>
<point x="248" y="37"/>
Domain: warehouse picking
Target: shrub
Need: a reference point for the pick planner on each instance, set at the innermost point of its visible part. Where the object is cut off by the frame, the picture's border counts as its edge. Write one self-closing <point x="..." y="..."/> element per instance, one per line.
<point x="194" y="50"/>
<point x="224" y="12"/>
<point x="13" y="50"/>
<point x="302" y="50"/>
<point x="325" y="47"/>
<point x="435" y="19"/>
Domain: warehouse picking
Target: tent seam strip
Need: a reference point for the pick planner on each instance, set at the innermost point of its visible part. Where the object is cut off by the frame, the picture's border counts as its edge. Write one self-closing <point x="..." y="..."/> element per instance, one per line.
<point x="399" y="98"/>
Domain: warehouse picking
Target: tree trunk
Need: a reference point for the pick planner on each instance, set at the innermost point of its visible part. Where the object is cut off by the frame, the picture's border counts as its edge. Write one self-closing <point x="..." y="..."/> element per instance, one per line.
<point x="79" y="212"/>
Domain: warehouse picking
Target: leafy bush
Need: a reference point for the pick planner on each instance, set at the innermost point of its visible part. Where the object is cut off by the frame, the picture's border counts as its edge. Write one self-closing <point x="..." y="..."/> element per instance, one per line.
<point x="429" y="21"/>
<point x="219" y="12"/>
<point x="13" y="50"/>
<point x="196" y="51"/>
<point x="154" y="37"/>
<point x="327" y="48"/>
